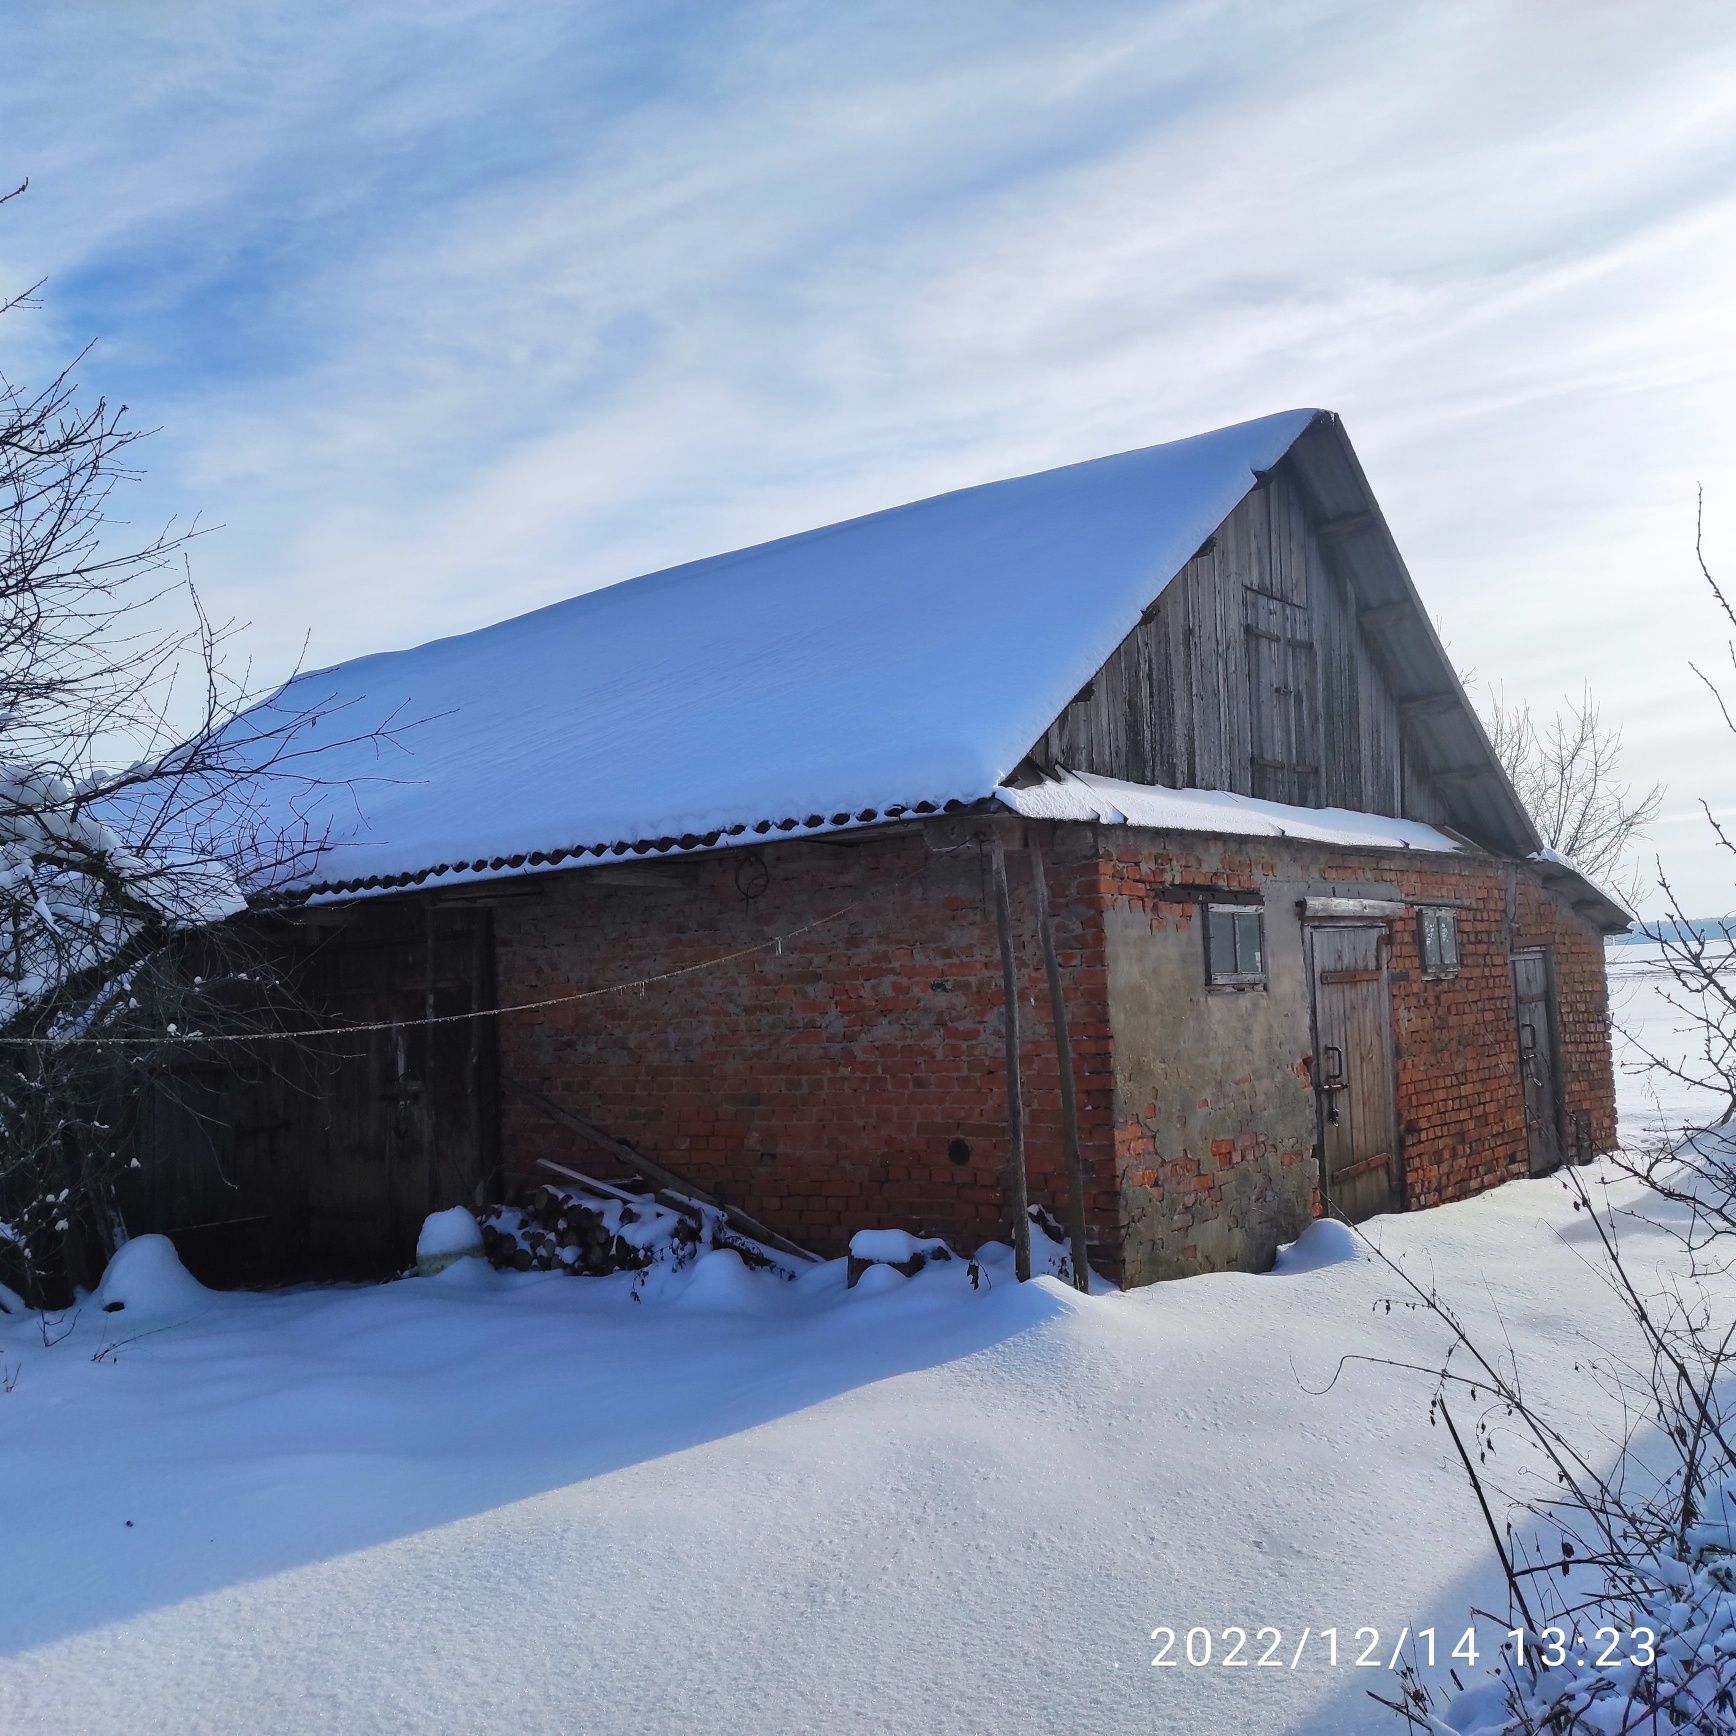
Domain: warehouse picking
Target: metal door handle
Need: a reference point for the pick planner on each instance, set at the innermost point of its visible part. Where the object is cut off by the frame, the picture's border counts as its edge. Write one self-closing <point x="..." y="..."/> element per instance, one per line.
<point x="1331" y="1080"/>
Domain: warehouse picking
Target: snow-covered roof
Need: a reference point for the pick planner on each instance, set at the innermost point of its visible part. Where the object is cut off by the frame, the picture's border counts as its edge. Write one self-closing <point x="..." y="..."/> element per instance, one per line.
<point x="1110" y="801"/>
<point x="903" y="661"/>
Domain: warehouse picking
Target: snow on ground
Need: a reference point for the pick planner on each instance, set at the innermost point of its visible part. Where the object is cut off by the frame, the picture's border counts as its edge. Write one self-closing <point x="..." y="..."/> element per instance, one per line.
<point x="482" y="1501"/>
<point x="1645" y="1021"/>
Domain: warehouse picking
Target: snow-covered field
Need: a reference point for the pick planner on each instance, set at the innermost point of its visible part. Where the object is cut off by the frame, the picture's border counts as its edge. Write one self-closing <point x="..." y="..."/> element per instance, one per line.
<point x="479" y="1502"/>
<point x="1652" y="1103"/>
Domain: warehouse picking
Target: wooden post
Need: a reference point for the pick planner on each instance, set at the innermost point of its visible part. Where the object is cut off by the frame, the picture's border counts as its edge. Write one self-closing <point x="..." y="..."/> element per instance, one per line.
<point x="425" y="1097"/>
<point x="1064" y="1061"/>
<point x="1015" y="1090"/>
<point x="480" y="933"/>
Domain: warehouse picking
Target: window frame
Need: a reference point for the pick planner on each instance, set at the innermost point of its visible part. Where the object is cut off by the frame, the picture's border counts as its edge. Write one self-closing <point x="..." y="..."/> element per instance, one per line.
<point x="1235" y="977"/>
<point x="1442" y="921"/>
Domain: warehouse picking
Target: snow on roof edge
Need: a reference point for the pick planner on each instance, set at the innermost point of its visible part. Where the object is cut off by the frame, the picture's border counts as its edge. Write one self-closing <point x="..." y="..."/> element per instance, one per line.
<point x="1112" y="801"/>
<point x="1072" y="796"/>
<point x="739" y="835"/>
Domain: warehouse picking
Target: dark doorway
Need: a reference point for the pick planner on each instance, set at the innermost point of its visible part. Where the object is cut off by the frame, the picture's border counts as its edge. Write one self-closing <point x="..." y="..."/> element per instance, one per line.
<point x="319" y="1156"/>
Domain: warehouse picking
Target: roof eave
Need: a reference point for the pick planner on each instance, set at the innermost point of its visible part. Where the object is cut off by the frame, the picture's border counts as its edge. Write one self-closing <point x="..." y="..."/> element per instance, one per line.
<point x="742" y="834"/>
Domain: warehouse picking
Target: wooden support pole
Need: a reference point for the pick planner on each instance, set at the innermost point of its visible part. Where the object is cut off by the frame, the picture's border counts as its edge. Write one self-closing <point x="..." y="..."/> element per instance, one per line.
<point x="425" y="1097"/>
<point x="1064" y="1062"/>
<point x="1015" y="1089"/>
<point x="481" y="933"/>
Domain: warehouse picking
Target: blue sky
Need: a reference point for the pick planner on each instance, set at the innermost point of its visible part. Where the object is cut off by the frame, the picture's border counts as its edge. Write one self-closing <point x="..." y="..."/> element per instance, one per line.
<point x="447" y="310"/>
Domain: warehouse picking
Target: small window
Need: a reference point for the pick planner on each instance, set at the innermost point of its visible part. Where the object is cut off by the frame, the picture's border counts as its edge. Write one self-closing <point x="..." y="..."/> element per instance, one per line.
<point x="1235" y="945"/>
<point x="1438" y="941"/>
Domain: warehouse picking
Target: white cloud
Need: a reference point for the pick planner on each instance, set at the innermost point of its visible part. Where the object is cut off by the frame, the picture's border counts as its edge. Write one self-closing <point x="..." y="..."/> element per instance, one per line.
<point x="514" y="300"/>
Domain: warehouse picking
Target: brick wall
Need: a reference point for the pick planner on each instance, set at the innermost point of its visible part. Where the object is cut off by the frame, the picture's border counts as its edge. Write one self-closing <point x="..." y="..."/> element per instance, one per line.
<point x="1582" y="995"/>
<point x="826" y="1087"/>
<point x="1214" y="1117"/>
<point x="1455" y="1045"/>
<point x="1461" y="1106"/>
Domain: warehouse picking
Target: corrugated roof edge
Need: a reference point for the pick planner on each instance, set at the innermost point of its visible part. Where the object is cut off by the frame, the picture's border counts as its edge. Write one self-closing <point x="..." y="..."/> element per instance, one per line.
<point x="1599" y="905"/>
<point x="575" y="856"/>
<point x="481" y="870"/>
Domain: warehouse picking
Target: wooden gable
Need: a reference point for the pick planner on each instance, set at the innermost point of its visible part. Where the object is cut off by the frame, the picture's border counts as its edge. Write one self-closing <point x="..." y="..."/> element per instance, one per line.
<point x="1265" y="667"/>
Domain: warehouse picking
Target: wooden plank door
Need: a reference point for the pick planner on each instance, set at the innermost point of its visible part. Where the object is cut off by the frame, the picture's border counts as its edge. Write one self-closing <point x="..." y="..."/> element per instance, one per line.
<point x="405" y="1111"/>
<point x="320" y="1156"/>
<point x="1539" y="1071"/>
<point x="1353" y="1073"/>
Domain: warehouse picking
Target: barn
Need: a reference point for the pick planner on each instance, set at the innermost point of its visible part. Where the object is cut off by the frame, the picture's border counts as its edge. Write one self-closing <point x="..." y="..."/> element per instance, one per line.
<point x="715" y="867"/>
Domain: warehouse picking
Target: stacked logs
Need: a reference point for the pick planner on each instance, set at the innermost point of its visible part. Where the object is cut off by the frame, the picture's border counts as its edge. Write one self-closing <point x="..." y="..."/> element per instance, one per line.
<point x="562" y="1230"/>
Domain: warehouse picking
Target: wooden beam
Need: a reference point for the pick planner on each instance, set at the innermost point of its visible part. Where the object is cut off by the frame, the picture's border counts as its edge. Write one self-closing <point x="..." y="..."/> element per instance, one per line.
<point x="500" y="891"/>
<point x="1384" y="615"/>
<point x="1464" y="774"/>
<point x="481" y="982"/>
<point x="1353" y="909"/>
<point x="1076" y="1228"/>
<point x="1015" y="1088"/>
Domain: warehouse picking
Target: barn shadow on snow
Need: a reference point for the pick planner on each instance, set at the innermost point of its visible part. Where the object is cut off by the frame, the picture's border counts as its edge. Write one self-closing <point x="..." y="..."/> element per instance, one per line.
<point x="267" y="1433"/>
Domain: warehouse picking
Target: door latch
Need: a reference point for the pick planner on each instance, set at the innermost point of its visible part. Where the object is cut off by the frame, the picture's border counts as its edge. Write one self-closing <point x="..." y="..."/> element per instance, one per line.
<point x="1332" y="1079"/>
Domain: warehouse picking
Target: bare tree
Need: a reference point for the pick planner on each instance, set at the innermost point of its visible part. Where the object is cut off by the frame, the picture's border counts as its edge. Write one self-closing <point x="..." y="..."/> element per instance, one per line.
<point x="138" y="785"/>
<point x="1613" y="1542"/>
<point x="1631" y="1532"/>
<point x="1568" y="774"/>
<point x="1699" y="962"/>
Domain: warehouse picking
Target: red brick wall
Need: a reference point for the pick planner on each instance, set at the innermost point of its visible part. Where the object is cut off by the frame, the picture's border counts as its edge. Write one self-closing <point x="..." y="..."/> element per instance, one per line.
<point x="1582" y="995"/>
<point x="1461" y="1106"/>
<point x="1455" y="1045"/>
<point x="819" y="1088"/>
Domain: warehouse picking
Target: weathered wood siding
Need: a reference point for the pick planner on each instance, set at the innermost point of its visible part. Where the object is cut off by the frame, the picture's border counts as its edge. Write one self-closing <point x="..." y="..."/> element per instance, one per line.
<point x="321" y="1156"/>
<point x="1250" y="673"/>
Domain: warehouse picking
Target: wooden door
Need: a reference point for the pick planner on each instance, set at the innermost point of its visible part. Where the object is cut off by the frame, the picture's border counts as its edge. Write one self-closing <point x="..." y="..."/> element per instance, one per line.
<point x="1353" y="1074"/>
<point x="1539" y="1072"/>
<point x="400" y="1126"/>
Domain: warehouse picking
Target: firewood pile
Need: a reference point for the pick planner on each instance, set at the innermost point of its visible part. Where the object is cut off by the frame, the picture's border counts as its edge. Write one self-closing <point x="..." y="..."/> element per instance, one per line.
<point x="591" y="1232"/>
